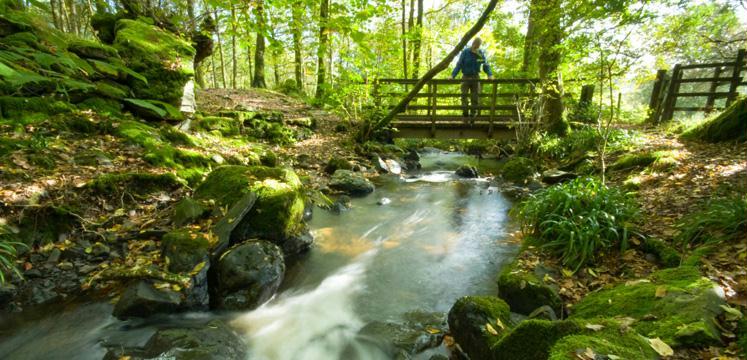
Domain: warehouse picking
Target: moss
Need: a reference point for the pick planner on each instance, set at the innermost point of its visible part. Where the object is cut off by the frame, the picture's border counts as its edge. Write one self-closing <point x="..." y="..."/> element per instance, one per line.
<point x="176" y="136"/>
<point x="91" y="49"/>
<point x="518" y="169"/>
<point x="138" y="183"/>
<point x="163" y="58"/>
<point x="112" y="90"/>
<point x="184" y="249"/>
<point x="695" y="257"/>
<point x="44" y="225"/>
<point x="21" y="40"/>
<point x="533" y="339"/>
<point x="336" y="163"/>
<point x="659" y="160"/>
<point x="15" y="106"/>
<point x="101" y="105"/>
<point x="477" y="323"/>
<point x="625" y="346"/>
<point x="525" y="292"/>
<point x="278" y="212"/>
<point x="742" y="336"/>
<point x="729" y="125"/>
<point x="225" y="125"/>
<point x="269" y="158"/>
<point x="186" y="211"/>
<point x="684" y="311"/>
<point x="667" y="255"/>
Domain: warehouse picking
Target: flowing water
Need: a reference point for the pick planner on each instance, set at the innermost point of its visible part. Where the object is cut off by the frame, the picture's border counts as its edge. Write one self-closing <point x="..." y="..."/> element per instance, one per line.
<point x="435" y="239"/>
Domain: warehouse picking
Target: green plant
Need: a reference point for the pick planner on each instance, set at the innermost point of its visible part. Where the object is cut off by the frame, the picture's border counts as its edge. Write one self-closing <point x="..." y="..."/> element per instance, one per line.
<point x="722" y="219"/>
<point x="578" y="220"/>
<point x="8" y="253"/>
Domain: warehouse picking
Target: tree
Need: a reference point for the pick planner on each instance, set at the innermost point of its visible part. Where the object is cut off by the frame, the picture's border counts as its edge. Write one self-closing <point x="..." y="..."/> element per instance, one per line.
<point x="322" y="49"/>
<point x="258" y="81"/>
<point x="416" y="43"/>
<point x="441" y="66"/>
<point x="549" y="38"/>
<point x="297" y="10"/>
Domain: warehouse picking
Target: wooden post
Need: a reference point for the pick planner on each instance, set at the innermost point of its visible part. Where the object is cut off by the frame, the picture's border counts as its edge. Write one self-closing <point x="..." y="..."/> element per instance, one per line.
<point x="714" y="86"/>
<point x="735" y="78"/>
<point x="377" y="97"/>
<point x="657" y="95"/>
<point x="587" y="94"/>
<point x="671" y="98"/>
<point x="493" y="99"/>
<point x="433" y="110"/>
<point x="428" y="100"/>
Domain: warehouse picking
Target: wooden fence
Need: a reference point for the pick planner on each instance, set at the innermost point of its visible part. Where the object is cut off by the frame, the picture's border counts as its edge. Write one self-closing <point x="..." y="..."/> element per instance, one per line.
<point x="666" y="91"/>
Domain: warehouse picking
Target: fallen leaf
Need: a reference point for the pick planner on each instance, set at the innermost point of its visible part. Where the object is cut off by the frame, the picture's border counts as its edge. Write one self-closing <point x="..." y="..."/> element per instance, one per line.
<point x="594" y="327"/>
<point x="660" y="347"/>
<point x="661" y="291"/>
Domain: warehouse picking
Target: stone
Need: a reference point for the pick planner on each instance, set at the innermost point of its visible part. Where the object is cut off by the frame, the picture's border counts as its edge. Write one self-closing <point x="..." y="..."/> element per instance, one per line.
<point x="141" y="299"/>
<point x="247" y="275"/>
<point x="384" y="201"/>
<point x="467" y="171"/>
<point x="99" y="249"/>
<point x="85" y="269"/>
<point x="54" y="256"/>
<point x="343" y="203"/>
<point x="336" y="163"/>
<point x="38" y="294"/>
<point x="677" y="305"/>
<point x="184" y="249"/>
<point x="277" y="214"/>
<point x="186" y="211"/>
<point x="211" y="341"/>
<point x="420" y="331"/>
<point x="525" y="292"/>
<point x="555" y="176"/>
<point x="65" y="266"/>
<point x="351" y="183"/>
<point x="388" y="166"/>
<point x="8" y="292"/>
<point x="477" y="322"/>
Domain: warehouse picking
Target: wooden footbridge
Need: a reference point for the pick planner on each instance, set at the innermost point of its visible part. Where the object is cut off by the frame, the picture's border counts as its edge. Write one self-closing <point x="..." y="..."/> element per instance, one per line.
<point x="436" y="111"/>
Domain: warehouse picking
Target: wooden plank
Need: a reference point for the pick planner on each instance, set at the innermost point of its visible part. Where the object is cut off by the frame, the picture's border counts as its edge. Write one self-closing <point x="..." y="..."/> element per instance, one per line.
<point x="702" y="80"/>
<point x="456" y="95"/>
<point x="433" y="111"/>
<point x="492" y="109"/>
<point x="455" y="133"/>
<point x="705" y="93"/>
<point x="708" y="65"/>
<point x="657" y="95"/>
<point x="459" y="107"/>
<point x="459" y="81"/>
<point x="693" y="108"/>
<point x="736" y="77"/>
<point x="498" y="119"/>
<point x="671" y="99"/>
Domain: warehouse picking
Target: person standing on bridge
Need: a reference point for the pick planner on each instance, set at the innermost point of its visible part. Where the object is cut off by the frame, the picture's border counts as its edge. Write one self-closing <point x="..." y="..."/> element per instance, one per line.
<point x="471" y="60"/>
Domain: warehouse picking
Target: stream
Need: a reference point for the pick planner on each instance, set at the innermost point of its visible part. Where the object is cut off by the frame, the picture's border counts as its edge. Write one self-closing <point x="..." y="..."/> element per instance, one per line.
<point x="434" y="239"/>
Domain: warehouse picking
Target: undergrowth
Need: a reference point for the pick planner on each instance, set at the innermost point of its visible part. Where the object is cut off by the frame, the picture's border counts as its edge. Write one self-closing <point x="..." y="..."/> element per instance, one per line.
<point x="578" y="220"/>
<point x="581" y="141"/>
<point x="723" y="219"/>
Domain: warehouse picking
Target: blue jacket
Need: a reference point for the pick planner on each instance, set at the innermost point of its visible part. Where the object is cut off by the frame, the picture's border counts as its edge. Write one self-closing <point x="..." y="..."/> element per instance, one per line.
<point x="469" y="63"/>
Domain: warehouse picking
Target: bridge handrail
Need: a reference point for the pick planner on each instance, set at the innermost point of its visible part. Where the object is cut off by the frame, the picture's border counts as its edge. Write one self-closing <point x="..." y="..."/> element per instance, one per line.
<point x="530" y="81"/>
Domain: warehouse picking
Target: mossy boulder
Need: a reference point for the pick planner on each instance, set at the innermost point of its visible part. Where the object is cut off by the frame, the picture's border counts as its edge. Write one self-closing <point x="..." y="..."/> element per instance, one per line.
<point x="225" y="125"/>
<point x="184" y="249"/>
<point x="477" y="323"/>
<point x="525" y="292"/>
<point x="542" y="339"/>
<point x="91" y="49"/>
<point x="135" y="182"/>
<point x="186" y="211"/>
<point x="351" y="183"/>
<point x="727" y="126"/>
<point x="665" y="253"/>
<point x="276" y="216"/>
<point x="142" y="299"/>
<point x="337" y="163"/>
<point x="247" y="275"/>
<point x="518" y="169"/>
<point x="403" y="340"/>
<point x="165" y="59"/>
<point x="677" y="305"/>
<point x="18" y="106"/>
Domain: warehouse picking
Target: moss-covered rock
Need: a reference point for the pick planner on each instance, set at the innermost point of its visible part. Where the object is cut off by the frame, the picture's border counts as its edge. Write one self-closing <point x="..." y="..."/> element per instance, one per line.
<point x="112" y="90"/>
<point x="225" y="125"/>
<point x="277" y="214"/>
<point x="17" y="106"/>
<point x="184" y="249"/>
<point x="677" y="305"/>
<point x="628" y="346"/>
<point x="186" y="211"/>
<point x="336" y="163"/>
<point x="247" y="275"/>
<point x="729" y="125"/>
<point x="163" y="58"/>
<point x="525" y="292"/>
<point x="212" y="341"/>
<point x="477" y="323"/>
<point x="91" y="50"/>
<point x="138" y="183"/>
<point x="533" y="339"/>
<point x="403" y="340"/>
<point x="667" y="255"/>
<point x="351" y="183"/>
<point x="518" y="169"/>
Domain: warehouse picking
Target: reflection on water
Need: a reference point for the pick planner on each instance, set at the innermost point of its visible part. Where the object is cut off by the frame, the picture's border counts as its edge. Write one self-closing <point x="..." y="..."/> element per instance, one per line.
<point x="438" y="239"/>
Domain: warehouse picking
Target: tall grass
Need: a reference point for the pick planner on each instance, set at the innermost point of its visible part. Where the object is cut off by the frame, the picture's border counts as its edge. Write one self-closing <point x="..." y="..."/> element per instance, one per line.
<point x="578" y="220"/>
<point x="581" y="141"/>
<point x="723" y="219"/>
<point x="8" y="253"/>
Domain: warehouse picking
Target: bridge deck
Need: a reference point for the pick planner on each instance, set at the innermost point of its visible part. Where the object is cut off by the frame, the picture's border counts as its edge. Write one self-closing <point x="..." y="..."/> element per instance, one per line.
<point x="434" y="114"/>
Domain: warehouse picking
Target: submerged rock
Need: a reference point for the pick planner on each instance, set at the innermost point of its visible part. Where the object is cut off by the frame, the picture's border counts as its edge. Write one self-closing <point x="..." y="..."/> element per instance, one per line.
<point x="184" y="249"/>
<point x="247" y="275"/>
<point x="141" y="299"/>
<point x="477" y="323"/>
<point x="467" y="171"/>
<point x="351" y="183"/>
<point x="677" y="305"/>
<point x="554" y="176"/>
<point x="336" y="163"/>
<point x="214" y="340"/>
<point x="277" y="214"/>
<point x="401" y="340"/>
<point x="518" y="169"/>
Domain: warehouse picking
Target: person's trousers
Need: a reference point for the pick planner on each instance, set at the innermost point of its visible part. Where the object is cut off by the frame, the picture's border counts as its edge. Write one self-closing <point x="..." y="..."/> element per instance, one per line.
<point x="471" y="85"/>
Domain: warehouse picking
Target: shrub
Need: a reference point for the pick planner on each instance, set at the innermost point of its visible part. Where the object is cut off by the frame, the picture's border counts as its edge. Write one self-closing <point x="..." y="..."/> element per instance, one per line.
<point x="722" y="219"/>
<point x="581" y="141"/>
<point x="579" y="219"/>
<point x="8" y="253"/>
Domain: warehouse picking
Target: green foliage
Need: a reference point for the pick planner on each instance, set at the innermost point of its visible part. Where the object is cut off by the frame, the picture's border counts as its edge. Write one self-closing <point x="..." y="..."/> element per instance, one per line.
<point x="373" y="127"/>
<point x="578" y="220"/>
<point x="581" y="141"/>
<point x="660" y="160"/>
<point x="723" y="219"/>
<point x="8" y="253"/>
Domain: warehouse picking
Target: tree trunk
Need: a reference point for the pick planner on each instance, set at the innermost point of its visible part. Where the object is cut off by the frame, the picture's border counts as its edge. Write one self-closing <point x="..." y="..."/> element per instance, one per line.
<point x="404" y="38"/>
<point x="531" y="46"/>
<point x="297" y="29"/>
<point x="443" y="64"/>
<point x="220" y="50"/>
<point x="416" y="43"/>
<point x="55" y="17"/>
<point x="322" y="50"/>
<point x="549" y="61"/>
<point x="214" y="72"/>
<point x="249" y="61"/>
<point x="259" y="49"/>
<point x="234" y="49"/>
